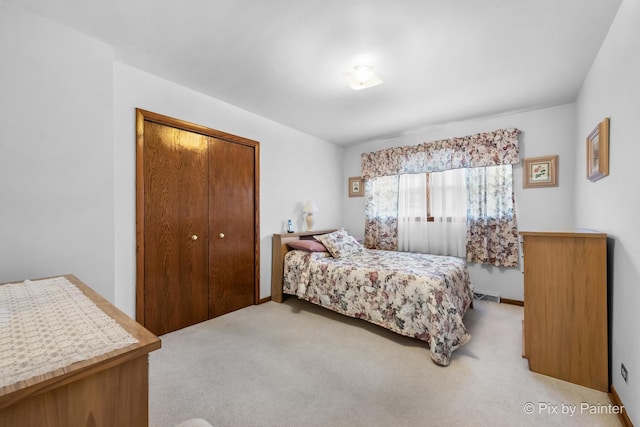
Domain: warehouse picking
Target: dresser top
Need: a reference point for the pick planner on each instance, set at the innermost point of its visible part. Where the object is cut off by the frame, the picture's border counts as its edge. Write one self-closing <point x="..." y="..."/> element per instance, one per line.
<point x="581" y="232"/>
<point x="143" y="341"/>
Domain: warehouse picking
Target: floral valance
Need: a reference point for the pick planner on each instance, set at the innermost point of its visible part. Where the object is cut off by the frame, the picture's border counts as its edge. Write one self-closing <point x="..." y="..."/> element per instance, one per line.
<point x="499" y="147"/>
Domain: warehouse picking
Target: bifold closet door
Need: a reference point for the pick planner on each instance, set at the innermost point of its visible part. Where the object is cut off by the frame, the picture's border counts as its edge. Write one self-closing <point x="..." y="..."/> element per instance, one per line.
<point x="232" y="198"/>
<point x="176" y="212"/>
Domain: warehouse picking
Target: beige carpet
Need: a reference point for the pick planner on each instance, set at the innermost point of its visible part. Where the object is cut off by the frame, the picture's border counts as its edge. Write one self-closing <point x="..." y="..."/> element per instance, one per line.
<point x="295" y="364"/>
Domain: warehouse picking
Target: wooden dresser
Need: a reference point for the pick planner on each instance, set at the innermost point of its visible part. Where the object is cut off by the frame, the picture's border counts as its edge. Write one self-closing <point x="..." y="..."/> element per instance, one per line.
<point x="565" y="306"/>
<point x="107" y="390"/>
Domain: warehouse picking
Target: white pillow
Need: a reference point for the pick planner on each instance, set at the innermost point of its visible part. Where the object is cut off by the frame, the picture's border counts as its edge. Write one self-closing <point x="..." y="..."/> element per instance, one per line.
<point x="339" y="243"/>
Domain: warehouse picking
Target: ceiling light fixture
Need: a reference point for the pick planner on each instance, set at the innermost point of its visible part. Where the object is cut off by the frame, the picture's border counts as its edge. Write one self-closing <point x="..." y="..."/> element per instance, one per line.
<point x="362" y="77"/>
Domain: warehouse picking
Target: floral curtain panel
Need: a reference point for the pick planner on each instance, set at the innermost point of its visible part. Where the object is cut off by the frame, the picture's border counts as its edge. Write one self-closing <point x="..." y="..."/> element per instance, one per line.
<point x="485" y="235"/>
<point x="381" y="212"/>
<point x="492" y="229"/>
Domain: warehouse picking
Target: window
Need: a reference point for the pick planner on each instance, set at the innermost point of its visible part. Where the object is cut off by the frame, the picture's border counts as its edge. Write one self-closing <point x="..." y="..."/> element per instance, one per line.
<point x="432" y="212"/>
<point x="435" y="196"/>
<point x="414" y="196"/>
<point x="464" y="212"/>
<point x="491" y="227"/>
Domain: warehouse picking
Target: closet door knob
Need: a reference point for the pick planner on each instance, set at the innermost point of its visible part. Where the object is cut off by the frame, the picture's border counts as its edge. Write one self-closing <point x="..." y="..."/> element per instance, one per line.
<point x="194" y="237"/>
<point x="221" y="235"/>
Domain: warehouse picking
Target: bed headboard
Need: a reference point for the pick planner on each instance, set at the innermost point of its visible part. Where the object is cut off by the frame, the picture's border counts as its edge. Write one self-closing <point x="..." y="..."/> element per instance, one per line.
<point x="279" y="250"/>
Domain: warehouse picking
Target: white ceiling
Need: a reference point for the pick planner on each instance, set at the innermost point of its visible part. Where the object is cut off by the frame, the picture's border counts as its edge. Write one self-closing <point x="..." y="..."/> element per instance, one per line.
<point x="440" y="60"/>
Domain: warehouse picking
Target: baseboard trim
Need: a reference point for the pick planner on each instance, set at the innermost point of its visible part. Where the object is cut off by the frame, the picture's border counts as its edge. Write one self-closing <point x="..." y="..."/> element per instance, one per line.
<point x="615" y="399"/>
<point x="512" y="301"/>
<point x="263" y="300"/>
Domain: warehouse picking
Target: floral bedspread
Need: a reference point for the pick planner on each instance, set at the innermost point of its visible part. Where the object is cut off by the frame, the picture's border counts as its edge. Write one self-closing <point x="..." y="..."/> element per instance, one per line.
<point x="416" y="295"/>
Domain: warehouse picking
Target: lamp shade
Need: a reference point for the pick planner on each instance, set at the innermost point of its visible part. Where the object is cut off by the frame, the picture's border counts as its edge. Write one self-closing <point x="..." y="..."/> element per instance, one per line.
<point x="309" y="206"/>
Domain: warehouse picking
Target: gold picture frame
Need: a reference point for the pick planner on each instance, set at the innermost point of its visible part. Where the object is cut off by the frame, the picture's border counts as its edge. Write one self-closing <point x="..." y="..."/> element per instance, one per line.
<point x="356" y="186"/>
<point x="598" y="151"/>
<point x="540" y="172"/>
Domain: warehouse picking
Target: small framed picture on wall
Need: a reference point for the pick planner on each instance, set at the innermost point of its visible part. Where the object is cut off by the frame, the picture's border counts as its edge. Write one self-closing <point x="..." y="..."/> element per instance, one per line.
<point x="356" y="186"/>
<point x="598" y="151"/>
<point x="540" y="172"/>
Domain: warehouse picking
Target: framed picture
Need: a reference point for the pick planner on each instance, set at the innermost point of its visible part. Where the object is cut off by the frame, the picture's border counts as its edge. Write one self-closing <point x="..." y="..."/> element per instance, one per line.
<point x="356" y="186"/>
<point x="598" y="151"/>
<point x="540" y="172"/>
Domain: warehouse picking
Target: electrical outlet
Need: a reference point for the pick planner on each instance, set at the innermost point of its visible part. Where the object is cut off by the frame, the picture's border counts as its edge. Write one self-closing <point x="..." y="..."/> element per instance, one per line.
<point x="624" y="373"/>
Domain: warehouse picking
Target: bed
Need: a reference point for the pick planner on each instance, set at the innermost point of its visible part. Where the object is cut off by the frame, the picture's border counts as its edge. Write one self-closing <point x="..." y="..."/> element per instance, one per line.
<point x="417" y="295"/>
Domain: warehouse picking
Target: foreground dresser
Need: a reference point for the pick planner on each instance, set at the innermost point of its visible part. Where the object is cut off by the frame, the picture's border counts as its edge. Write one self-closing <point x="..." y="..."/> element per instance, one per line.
<point x="106" y="390"/>
<point x="565" y="306"/>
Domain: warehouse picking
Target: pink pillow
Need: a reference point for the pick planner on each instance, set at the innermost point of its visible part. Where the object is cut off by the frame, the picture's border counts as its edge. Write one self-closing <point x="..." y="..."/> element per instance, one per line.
<point x="307" y="245"/>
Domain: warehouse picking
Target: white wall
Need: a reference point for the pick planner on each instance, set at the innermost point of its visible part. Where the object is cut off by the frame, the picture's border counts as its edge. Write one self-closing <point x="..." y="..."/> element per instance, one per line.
<point x="67" y="158"/>
<point x="612" y="89"/>
<point x="294" y="167"/>
<point x="56" y="152"/>
<point x="545" y="132"/>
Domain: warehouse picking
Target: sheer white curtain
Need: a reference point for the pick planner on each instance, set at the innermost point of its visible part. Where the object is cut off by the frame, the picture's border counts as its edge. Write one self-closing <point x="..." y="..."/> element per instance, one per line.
<point x="445" y="233"/>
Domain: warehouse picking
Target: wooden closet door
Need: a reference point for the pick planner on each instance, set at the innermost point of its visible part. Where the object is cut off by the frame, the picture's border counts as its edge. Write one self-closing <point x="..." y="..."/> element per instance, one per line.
<point x="232" y="257"/>
<point x="175" y="228"/>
